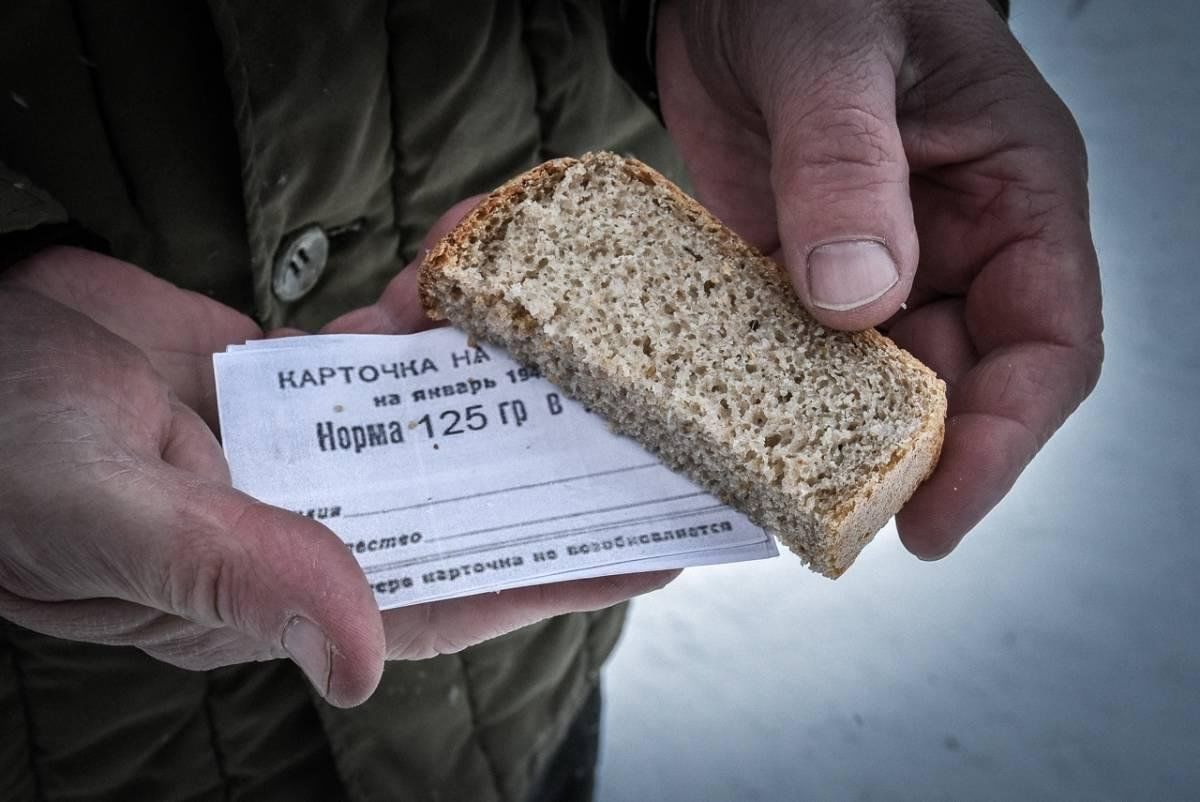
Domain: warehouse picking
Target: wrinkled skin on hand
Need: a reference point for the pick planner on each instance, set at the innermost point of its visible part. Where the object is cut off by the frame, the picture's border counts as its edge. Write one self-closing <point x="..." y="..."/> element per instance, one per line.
<point x="118" y="524"/>
<point x="918" y="127"/>
<point x="921" y="128"/>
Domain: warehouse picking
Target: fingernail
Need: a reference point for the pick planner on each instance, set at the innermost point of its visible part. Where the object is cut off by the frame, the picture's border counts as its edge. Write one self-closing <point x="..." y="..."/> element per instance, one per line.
<point x="929" y="551"/>
<point x="310" y="649"/>
<point x="849" y="274"/>
<point x="668" y="578"/>
<point x="931" y="556"/>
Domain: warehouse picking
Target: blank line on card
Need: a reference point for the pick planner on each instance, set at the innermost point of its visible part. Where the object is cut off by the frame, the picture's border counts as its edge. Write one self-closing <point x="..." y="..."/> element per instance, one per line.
<point x="562" y="480"/>
<point x="579" y="514"/>
<point x="560" y="533"/>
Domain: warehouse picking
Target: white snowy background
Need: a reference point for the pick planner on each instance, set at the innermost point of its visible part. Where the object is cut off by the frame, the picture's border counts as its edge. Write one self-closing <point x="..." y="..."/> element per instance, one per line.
<point x="1056" y="654"/>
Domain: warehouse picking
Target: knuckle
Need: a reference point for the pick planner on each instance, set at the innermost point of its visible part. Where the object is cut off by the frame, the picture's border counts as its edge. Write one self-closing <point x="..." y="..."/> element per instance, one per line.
<point x="847" y="135"/>
<point x="201" y="582"/>
<point x="412" y="634"/>
<point x="198" y="648"/>
<point x="18" y="582"/>
<point x="1093" y="363"/>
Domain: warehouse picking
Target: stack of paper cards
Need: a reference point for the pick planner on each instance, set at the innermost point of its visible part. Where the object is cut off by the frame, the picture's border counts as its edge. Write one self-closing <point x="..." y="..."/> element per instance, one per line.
<point x="448" y="469"/>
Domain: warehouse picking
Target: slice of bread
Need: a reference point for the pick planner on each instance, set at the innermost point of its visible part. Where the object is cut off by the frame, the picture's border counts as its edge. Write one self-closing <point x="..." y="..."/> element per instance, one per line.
<point x="636" y="301"/>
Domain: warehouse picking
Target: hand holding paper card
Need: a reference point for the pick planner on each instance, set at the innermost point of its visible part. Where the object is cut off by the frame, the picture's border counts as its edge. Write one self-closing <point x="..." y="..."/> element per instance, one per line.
<point x="448" y="469"/>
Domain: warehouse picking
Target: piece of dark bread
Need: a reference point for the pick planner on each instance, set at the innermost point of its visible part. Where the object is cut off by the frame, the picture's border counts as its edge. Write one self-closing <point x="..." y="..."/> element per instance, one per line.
<point x="636" y="301"/>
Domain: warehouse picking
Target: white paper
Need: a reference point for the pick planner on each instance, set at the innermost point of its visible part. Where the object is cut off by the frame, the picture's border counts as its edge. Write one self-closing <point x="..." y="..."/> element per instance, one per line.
<point x="448" y="469"/>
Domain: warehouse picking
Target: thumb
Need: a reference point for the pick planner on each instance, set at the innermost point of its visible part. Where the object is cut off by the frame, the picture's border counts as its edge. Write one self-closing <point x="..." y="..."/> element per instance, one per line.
<point x="198" y="549"/>
<point x="840" y="179"/>
<point x="279" y="578"/>
<point x="399" y="309"/>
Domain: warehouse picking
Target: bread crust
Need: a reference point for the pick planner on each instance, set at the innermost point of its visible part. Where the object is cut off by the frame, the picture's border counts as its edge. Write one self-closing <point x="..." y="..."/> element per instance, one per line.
<point x="498" y="205"/>
<point x="856" y="518"/>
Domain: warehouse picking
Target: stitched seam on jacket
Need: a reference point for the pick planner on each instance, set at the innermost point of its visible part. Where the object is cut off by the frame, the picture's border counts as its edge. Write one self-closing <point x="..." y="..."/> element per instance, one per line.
<point x="248" y="141"/>
<point x="651" y="44"/>
<point x="26" y="709"/>
<point x="539" y="92"/>
<point x="476" y="727"/>
<point x="394" y="132"/>
<point x="584" y="660"/>
<point x="218" y="757"/>
<point x="589" y="652"/>
<point x="105" y="123"/>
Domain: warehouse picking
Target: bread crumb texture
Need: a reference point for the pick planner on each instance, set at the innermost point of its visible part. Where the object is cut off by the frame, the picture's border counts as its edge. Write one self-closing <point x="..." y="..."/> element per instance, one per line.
<point x="636" y="301"/>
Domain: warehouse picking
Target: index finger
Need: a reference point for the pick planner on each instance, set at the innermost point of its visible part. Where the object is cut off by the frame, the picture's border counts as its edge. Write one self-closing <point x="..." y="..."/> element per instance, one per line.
<point x="399" y="310"/>
<point x="1032" y="314"/>
<point x="1001" y="204"/>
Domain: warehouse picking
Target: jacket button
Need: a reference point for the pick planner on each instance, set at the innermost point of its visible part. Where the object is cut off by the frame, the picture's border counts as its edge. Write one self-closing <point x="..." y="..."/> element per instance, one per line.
<point x="299" y="263"/>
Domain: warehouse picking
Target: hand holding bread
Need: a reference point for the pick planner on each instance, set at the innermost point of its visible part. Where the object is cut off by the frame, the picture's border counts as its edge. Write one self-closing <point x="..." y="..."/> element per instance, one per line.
<point x="919" y="143"/>
<point x="635" y="300"/>
<point x="934" y="188"/>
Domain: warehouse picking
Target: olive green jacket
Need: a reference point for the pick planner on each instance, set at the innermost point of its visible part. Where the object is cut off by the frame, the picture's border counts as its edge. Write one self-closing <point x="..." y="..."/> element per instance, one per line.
<point x="194" y="139"/>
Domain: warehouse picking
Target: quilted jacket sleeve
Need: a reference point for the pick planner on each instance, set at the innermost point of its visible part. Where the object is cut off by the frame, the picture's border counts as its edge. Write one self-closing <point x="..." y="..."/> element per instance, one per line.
<point x="631" y="43"/>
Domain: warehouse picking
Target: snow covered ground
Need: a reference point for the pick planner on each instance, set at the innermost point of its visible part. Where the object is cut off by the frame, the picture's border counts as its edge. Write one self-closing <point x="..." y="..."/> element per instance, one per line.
<point x="1056" y="654"/>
